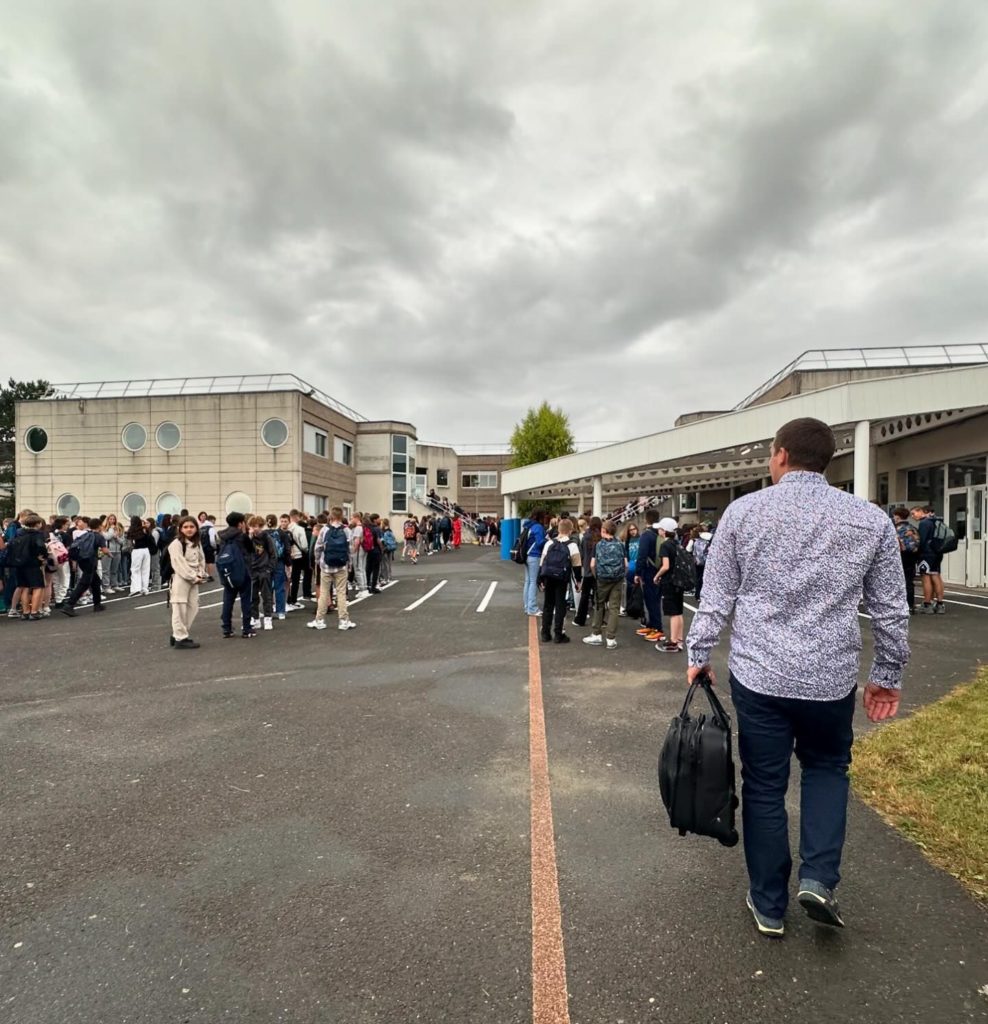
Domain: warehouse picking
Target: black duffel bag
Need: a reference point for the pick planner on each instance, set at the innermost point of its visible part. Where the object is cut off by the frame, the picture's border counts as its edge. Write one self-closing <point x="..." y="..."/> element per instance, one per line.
<point x="696" y="770"/>
<point x="635" y="606"/>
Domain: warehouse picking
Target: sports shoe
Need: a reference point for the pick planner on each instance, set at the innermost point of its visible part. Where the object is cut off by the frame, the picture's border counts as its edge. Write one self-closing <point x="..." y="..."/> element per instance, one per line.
<point x="14" y="614"/>
<point x="268" y="624"/>
<point x="66" y="610"/>
<point x="255" y="623"/>
<point x="315" y="624"/>
<point x="612" y="645"/>
<point x="594" y="640"/>
<point x="644" y="631"/>
<point x="939" y="608"/>
<point x="773" y="927"/>
<point x="819" y="902"/>
<point x="248" y="634"/>
<point x="347" y="624"/>
<point x="668" y="647"/>
<point x="281" y="616"/>
<point x="654" y="636"/>
<point x="561" y="639"/>
<point x="361" y="594"/>
<point x="188" y="644"/>
<point x="927" y="608"/>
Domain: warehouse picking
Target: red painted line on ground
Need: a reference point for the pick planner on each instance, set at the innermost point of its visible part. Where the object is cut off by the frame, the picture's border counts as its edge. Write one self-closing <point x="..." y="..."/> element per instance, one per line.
<point x="550" y="1003"/>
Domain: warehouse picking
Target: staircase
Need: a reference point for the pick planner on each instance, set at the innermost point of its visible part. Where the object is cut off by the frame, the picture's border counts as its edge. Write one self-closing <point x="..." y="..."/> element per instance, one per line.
<point x="434" y="507"/>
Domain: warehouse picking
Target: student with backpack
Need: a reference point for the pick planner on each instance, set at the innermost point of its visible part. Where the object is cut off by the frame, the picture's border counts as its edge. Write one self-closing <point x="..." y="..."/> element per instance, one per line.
<point x="909" y="550"/>
<point x="559" y="563"/>
<point x="389" y="545"/>
<point x="609" y="567"/>
<point x="231" y="567"/>
<point x="188" y="566"/>
<point x="333" y="550"/>
<point x="645" y="568"/>
<point x="930" y="559"/>
<point x="260" y="568"/>
<point x="85" y="551"/>
<point x="588" y="543"/>
<point x="672" y="577"/>
<point x="372" y="545"/>
<point x="27" y="555"/>
<point x="531" y="541"/>
<point x="410" y="535"/>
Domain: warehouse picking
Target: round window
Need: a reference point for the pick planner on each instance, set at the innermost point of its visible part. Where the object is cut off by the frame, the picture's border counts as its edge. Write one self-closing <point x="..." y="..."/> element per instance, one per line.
<point x="168" y="436"/>
<point x="36" y="439"/>
<point x="67" y="505"/>
<point x="274" y="433"/>
<point x="168" y="504"/>
<point x="134" y="438"/>
<point x="134" y="505"/>
<point x="239" y="502"/>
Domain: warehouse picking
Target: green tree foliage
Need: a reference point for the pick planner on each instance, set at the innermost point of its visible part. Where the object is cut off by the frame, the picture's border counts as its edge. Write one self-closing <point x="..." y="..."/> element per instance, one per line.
<point x="543" y="434"/>
<point x="14" y="392"/>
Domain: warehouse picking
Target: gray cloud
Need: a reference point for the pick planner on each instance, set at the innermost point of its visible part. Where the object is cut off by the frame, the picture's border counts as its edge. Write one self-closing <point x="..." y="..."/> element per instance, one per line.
<point x="446" y="213"/>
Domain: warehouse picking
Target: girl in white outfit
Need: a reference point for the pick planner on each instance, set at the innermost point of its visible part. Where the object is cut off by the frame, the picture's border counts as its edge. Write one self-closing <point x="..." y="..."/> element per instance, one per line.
<point x="189" y="571"/>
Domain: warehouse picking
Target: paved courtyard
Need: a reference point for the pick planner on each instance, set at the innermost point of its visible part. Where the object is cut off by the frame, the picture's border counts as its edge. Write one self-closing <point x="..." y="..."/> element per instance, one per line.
<point x="336" y="827"/>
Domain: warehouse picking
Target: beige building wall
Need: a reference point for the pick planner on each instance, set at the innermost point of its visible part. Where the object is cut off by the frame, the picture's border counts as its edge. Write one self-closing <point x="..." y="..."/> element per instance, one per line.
<point x="435" y="457"/>
<point x="483" y="500"/>
<point x="334" y="480"/>
<point x="220" y="452"/>
<point x="375" y="464"/>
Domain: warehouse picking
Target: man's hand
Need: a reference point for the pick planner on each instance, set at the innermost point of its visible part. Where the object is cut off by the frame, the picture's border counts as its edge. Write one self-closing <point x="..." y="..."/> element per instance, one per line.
<point x="880" y="702"/>
<point x="658" y="576"/>
<point x="695" y="671"/>
<point x="638" y="581"/>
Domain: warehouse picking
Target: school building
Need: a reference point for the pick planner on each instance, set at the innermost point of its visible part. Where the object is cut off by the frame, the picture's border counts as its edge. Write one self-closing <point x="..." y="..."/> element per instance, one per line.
<point x="911" y="426"/>
<point x="261" y="443"/>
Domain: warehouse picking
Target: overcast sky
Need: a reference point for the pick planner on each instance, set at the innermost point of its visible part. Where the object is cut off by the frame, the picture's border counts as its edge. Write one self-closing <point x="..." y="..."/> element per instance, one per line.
<point x="445" y="212"/>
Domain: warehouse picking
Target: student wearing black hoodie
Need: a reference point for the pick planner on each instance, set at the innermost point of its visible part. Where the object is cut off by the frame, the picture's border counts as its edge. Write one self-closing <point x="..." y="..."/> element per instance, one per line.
<point x="236" y="533"/>
<point x="261" y="565"/>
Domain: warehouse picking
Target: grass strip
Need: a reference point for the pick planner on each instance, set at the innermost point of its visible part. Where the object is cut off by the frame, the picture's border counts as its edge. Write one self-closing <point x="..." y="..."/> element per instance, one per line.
<point x="927" y="775"/>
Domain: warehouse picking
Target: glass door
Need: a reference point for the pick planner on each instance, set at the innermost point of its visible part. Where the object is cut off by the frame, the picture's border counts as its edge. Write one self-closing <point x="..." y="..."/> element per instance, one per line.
<point x="954" y="566"/>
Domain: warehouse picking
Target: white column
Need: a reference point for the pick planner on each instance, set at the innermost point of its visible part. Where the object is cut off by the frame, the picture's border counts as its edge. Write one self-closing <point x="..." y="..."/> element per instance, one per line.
<point x="507" y="506"/>
<point x="862" y="460"/>
<point x="514" y="509"/>
<point x="598" y="496"/>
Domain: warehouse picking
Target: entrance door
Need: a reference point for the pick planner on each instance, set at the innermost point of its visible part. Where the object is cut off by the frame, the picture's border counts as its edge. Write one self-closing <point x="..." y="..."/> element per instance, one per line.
<point x="966" y="517"/>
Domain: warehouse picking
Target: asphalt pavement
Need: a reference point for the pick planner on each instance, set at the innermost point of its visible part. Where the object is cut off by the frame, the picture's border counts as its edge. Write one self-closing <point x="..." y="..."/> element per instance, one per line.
<point x="334" y="827"/>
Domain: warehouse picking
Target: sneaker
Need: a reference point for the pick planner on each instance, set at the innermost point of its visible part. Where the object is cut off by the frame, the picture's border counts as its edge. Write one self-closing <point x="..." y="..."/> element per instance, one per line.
<point x="561" y="639"/>
<point x="45" y="613"/>
<point x="644" y="631"/>
<point x="927" y="609"/>
<point x="668" y="647"/>
<point x="255" y="623"/>
<point x="939" y="608"/>
<point x="612" y="645"/>
<point x="819" y="902"/>
<point x="654" y="635"/>
<point x="622" y="613"/>
<point x="594" y="640"/>
<point x="36" y="616"/>
<point x="14" y="614"/>
<point x="361" y="594"/>
<point x="268" y="624"/>
<point x="66" y="610"/>
<point x="188" y="644"/>
<point x="315" y="624"/>
<point x="347" y="624"/>
<point x="281" y="616"/>
<point x="248" y="634"/>
<point x="773" y="927"/>
<point x="297" y="607"/>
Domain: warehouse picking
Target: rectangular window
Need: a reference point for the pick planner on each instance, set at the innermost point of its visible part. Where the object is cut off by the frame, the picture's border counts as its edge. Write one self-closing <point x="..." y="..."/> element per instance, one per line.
<point x="442" y="478"/>
<point x="925" y="487"/>
<point x="347" y="510"/>
<point x="478" y="480"/>
<point x="687" y="502"/>
<point x="315" y="440"/>
<point x="313" y="504"/>
<point x="342" y="451"/>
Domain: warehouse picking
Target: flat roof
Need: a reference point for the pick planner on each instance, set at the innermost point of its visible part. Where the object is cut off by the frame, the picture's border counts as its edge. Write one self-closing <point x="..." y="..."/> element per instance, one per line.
<point x="227" y="385"/>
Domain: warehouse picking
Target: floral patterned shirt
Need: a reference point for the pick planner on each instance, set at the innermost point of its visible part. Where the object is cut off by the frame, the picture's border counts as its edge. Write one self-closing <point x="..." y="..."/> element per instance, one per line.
<point x="792" y="563"/>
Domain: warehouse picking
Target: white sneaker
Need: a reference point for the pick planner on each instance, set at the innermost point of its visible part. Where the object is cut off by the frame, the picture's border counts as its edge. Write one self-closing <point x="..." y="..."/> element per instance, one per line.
<point x="297" y="607"/>
<point x="611" y="644"/>
<point x="594" y="640"/>
<point x="361" y="594"/>
<point x="316" y="624"/>
<point x="281" y="615"/>
<point x="268" y="624"/>
<point x="347" y="624"/>
<point x="255" y="623"/>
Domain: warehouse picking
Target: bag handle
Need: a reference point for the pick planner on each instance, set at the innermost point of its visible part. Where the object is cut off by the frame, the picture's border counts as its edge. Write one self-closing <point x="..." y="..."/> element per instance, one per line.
<point x="702" y="682"/>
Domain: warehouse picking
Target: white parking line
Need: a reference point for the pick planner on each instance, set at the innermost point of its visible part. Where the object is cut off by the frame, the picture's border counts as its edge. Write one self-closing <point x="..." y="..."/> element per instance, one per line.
<point x="158" y="604"/>
<point x="967" y="604"/>
<point x="425" y="597"/>
<point x="487" y="597"/>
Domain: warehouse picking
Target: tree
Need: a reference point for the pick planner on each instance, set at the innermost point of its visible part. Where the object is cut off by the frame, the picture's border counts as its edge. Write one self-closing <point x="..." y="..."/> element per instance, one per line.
<point x="14" y="392"/>
<point x="543" y="434"/>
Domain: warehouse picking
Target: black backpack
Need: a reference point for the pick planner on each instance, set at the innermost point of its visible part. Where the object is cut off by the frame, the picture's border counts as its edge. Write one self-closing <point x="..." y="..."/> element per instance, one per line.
<point x="519" y="553"/>
<point x="556" y="565"/>
<point x="683" y="573"/>
<point x="696" y="770"/>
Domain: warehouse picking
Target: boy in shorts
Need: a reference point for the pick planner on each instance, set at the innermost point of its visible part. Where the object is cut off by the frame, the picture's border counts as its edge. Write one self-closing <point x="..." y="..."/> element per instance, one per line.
<point x="27" y="553"/>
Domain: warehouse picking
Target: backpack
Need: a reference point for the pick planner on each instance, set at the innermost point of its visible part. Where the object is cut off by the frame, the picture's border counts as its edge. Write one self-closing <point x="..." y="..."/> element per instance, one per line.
<point x="696" y="770"/>
<point x="701" y="548"/>
<point x="367" y="539"/>
<point x="557" y="561"/>
<point x="231" y="565"/>
<point x="943" y="540"/>
<point x="610" y="560"/>
<point x="519" y="550"/>
<point x="83" y="548"/>
<point x="336" y="550"/>
<point x="278" y="543"/>
<point x="165" y="537"/>
<point x="206" y="540"/>
<point x="58" y="551"/>
<point x="410" y="530"/>
<point x="908" y="538"/>
<point x="19" y="551"/>
<point x="683" y="571"/>
<point x="389" y="542"/>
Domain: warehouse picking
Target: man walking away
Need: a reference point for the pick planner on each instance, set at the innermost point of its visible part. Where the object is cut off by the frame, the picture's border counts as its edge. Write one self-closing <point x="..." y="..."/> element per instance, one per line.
<point x="333" y="554"/>
<point x="793" y="583"/>
<point x="608" y="567"/>
<point x="645" y="569"/>
<point x="85" y="551"/>
<point x="909" y="552"/>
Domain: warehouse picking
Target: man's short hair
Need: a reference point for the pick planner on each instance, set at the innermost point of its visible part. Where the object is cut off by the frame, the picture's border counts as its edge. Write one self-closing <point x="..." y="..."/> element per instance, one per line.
<point x="652" y="516"/>
<point x="608" y="527"/>
<point x="901" y="512"/>
<point x="32" y="522"/>
<point x="235" y="518"/>
<point x="336" y="512"/>
<point x="810" y="443"/>
<point x="94" y="523"/>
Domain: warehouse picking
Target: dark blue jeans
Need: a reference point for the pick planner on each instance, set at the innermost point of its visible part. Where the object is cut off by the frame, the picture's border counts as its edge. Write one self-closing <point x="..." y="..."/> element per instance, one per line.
<point x="769" y="728"/>
<point x="229" y="596"/>
<point x="652" y="596"/>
